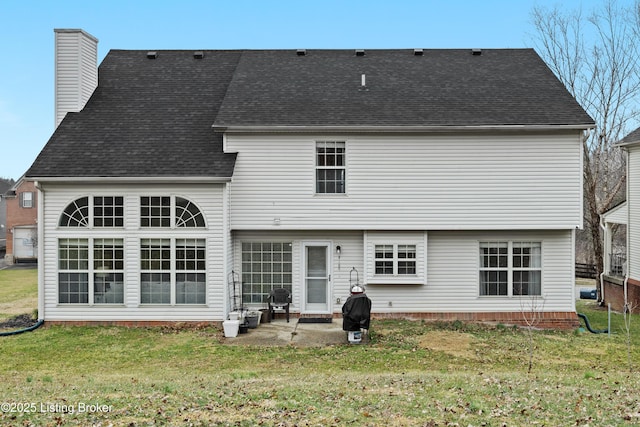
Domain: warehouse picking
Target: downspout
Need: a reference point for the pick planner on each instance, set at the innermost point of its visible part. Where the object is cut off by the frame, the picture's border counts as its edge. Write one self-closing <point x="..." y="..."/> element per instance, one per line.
<point x="604" y="262"/>
<point x="626" y="273"/>
<point x="40" y="221"/>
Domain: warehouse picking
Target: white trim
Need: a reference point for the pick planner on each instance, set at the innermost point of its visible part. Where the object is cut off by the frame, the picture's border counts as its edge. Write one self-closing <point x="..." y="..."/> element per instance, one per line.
<point x="132" y="179"/>
<point x="396" y="129"/>
<point x="510" y="269"/>
<point x="40" y="224"/>
<point x="303" y="270"/>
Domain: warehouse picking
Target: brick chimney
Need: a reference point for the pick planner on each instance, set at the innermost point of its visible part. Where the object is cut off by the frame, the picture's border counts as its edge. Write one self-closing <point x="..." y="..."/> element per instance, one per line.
<point x="76" y="70"/>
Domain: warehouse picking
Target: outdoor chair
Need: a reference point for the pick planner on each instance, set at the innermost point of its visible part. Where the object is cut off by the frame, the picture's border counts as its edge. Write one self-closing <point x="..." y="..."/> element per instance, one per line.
<point x="279" y="299"/>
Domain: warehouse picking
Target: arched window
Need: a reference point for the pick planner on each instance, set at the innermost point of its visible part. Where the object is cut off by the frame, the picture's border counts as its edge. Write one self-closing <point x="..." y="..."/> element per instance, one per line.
<point x="188" y="214"/>
<point x="76" y="214"/>
<point x="157" y="211"/>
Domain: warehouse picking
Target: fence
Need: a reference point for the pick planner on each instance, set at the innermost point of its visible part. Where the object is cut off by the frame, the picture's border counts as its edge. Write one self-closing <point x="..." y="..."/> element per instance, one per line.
<point x="586" y="271"/>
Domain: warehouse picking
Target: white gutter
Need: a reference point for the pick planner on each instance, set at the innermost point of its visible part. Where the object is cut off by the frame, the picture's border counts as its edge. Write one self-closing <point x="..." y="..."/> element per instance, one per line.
<point x="394" y="129"/>
<point x="132" y="179"/>
<point x="40" y="223"/>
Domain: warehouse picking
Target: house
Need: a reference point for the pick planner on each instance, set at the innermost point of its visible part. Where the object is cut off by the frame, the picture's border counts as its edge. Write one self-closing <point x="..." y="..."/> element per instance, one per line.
<point x="621" y="276"/>
<point x="5" y="185"/>
<point x="447" y="182"/>
<point x="21" y="222"/>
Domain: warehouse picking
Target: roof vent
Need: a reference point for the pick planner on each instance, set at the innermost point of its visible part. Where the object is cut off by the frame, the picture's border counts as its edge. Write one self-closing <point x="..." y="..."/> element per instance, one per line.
<point x="359" y="52"/>
<point x="152" y="54"/>
<point x="476" y="52"/>
<point x="418" y="52"/>
<point x="198" y="54"/>
<point x="301" y="52"/>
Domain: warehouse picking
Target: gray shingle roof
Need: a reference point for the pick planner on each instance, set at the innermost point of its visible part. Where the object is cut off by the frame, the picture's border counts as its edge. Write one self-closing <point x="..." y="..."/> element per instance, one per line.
<point x="633" y="136"/>
<point x="154" y="117"/>
<point x="443" y="87"/>
<point x="148" y="117"/>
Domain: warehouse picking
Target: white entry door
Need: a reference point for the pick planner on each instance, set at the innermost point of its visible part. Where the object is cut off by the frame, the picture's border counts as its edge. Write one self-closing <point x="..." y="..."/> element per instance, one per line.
<point x="317" y="268"/>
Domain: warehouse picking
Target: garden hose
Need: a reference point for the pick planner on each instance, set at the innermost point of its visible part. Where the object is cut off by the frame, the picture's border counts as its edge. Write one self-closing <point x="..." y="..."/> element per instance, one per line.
<point x="586" y="323"/>
<point x="20" y="331"/>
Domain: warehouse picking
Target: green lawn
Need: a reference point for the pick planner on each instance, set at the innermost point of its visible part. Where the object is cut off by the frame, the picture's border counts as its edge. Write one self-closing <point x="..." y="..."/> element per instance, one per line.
<point x="18" y="292"/>
<point x="412" y="373"/>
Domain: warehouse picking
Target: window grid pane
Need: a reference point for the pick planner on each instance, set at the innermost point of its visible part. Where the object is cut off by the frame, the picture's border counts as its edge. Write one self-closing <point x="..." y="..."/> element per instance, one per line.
<point x="191" y="257"/>
<point x="188" y="214"/>
<point x="330" y="167"/>
<point x="522" y="276"/>
<point x="108" y="212"/>
<point x="527" y="275"/>
<point x="155" y="288"/>
<point x="155" y="254"/>
<point x="265" y="266"/>
<point x="108" y="279"/>
<point x="73" y="288"/>
<point x="155" y="211"/>
<point x="76" y="214"/>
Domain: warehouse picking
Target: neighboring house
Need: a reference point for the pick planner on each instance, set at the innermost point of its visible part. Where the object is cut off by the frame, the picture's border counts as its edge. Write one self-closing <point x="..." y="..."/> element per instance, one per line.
<point x="621" y="277"/>
<point x="449" y="179"/>
<point x="5" y="185"/>
<point x="22" y="220"/>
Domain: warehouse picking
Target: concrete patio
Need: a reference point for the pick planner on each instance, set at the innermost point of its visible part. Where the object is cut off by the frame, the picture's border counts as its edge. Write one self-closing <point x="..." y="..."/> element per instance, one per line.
<point x="280" y="333"/>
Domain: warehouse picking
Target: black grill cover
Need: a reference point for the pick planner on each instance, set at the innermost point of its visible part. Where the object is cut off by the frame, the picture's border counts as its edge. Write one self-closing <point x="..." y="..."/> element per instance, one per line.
<point x="356" y="313"/>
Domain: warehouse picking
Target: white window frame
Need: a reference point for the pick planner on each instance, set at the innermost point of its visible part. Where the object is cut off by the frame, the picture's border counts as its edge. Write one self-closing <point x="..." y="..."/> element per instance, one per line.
<point x="334" y="167"/>
<point x="178" y="216"/>
<point x="267" y="270"/>
<point x="85" y="216"/>
<point x="172" y="269"/>
<point x="395" y="259"/>
<point x="26" y="199"/>
<point x="91" y="269"/>
<point x="510" y="269"/>
<point x="395" y="240"/>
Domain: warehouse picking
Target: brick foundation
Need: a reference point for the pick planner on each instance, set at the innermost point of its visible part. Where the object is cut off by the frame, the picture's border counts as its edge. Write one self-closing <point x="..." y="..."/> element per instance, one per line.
<point x="549" y="320"/>
<point x="614" y="293"/>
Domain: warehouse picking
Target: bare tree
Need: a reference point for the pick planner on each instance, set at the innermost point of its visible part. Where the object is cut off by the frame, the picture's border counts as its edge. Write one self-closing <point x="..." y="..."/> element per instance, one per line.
<point x="532" y="311"/>
<point x="597" y="60"/>
<point x="627" y="316"/>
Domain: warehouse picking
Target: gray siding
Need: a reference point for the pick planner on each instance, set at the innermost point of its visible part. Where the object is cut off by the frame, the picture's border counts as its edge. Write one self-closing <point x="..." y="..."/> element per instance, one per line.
<point x="76" y="72"/>
<point x="452" y="283"/>
<point x="434" y="182"/>
<point x="633" y="203"/>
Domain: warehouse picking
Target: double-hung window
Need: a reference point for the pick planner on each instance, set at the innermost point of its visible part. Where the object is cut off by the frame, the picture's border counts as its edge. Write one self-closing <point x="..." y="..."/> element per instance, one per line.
<point x="395" y="260"/>
<point x="330" y="167"/>
<point x="173" y="271"/>
<point x="510" y="268"/>
<point x="26" y="199"/>
<point x="90" y="276"/>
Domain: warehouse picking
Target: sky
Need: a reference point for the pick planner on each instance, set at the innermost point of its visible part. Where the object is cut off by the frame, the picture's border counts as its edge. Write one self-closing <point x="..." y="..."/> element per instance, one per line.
<point x="27" y="39"/>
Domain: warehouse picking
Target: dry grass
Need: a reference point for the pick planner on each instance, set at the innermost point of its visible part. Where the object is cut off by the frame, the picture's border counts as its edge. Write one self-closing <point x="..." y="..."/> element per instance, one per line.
<point x="18" y="292"/>
<point x="412" y="373"/>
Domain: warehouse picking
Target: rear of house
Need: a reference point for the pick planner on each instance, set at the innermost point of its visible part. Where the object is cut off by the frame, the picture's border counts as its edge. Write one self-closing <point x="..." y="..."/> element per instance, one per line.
<point x="447" y="182"/>
<point x="621" y="224"/>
